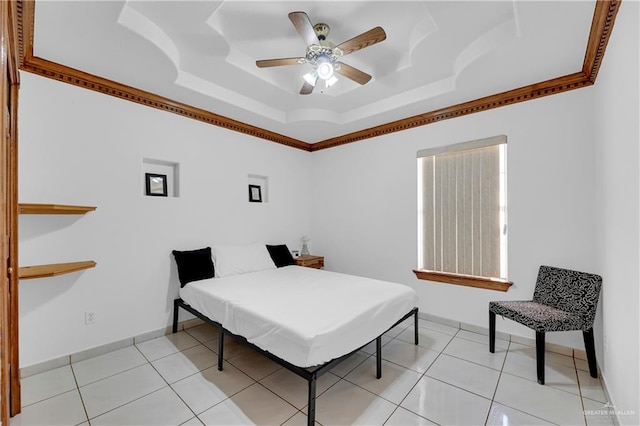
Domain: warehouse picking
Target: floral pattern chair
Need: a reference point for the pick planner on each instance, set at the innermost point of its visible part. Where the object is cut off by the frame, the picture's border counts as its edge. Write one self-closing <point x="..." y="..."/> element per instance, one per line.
<point x="563" y="300"/>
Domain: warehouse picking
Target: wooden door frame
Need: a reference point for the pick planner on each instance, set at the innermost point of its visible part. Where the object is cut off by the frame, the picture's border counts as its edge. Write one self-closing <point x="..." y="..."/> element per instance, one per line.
<point x="9" y="86"/>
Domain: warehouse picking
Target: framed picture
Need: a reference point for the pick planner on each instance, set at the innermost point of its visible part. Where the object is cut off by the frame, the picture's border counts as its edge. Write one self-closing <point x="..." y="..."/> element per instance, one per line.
<point x="156" y="185"/>
<point x="255" y="194"/>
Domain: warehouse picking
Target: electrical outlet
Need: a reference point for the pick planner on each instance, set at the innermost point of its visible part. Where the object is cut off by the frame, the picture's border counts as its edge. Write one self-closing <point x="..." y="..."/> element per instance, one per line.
<point x="89" y="318"/>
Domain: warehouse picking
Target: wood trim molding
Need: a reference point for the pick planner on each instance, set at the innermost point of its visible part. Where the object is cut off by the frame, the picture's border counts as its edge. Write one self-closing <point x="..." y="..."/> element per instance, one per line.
<point x="11" y="49"/>
<point x="602" y="24"/>
<point x="464" y="280"/>
<point x="49" y="69"/>
<point x="26" y="14"/>
<point x="526" y="93"/>
<point x="16" y="392"/>
<point x="88" y="81"/>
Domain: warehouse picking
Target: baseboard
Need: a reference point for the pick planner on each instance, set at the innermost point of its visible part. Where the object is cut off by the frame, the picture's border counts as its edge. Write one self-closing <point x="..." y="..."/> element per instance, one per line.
<point x="110" y="347"/>
<point x="609" y="403"/>
<point x="43" y="366"/>
<point x="550" y="347"/>
<point x="103" y="349"/>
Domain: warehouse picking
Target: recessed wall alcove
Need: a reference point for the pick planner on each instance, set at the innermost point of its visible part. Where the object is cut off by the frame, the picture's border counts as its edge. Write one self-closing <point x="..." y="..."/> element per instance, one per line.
<point x="262" y="182"/>
<point x="162" y="167"/>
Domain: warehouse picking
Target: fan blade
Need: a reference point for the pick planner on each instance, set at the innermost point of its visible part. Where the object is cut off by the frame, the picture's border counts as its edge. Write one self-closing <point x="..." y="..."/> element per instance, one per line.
<point x="353" y="73"/>
<point x="265" y="63"/>
<point x="307" y="87"/>
<point x="373" y="36"/>
<point x="303" y="25"/>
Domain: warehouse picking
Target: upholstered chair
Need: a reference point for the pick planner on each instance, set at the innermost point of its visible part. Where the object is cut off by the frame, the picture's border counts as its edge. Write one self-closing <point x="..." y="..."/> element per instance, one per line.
<point x="563" y="300"/>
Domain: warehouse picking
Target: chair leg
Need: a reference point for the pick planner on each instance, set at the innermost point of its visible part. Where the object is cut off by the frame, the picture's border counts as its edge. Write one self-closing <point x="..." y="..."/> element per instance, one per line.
<point x="590" y="348"/>
<point x="492" y="332"/>
<point x="540" y="356"/>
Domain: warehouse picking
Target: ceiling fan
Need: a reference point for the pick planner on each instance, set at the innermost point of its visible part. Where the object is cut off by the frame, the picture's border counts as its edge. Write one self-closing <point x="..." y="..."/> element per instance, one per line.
<point x="324" y="56"/>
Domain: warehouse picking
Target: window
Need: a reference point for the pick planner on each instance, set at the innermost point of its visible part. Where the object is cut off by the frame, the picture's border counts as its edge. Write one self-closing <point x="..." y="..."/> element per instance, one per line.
<point x="462" y="212"/>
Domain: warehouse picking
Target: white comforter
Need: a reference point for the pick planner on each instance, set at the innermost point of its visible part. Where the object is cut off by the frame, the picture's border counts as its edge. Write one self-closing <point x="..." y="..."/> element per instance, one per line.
<point x="304" y="316"/>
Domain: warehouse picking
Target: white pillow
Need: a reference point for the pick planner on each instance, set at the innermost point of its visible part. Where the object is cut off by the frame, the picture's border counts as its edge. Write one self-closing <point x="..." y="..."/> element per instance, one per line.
<point x="240" y="259"/>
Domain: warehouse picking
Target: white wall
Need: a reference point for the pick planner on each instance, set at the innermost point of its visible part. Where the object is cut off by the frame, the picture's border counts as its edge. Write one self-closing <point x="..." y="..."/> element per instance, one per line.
<point x="365" y="205"/>
<point x="573" y="195"/>
<point x="617" y="137"/>
<point x="82" y="147"/>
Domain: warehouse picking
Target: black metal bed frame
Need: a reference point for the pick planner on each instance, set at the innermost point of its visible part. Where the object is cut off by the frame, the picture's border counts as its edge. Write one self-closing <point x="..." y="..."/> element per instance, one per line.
<point x="311" y="374"/>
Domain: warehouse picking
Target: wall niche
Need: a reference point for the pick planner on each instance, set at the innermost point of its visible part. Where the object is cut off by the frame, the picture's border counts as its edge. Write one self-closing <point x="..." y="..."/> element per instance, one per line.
<point x="258" y="184"/>
<point x="164" y="175"/>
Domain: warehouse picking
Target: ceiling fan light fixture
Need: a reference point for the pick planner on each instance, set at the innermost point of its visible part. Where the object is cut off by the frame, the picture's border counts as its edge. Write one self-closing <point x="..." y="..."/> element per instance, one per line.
<point x="331" y="81"/>
<point x="311" y="77"/>
<point x="323" y="56"/>
<point x="325" y="69"/>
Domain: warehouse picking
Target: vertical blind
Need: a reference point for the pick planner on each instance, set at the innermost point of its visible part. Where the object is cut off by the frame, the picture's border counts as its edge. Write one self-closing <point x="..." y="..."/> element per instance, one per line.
<point x="461" y="205"/>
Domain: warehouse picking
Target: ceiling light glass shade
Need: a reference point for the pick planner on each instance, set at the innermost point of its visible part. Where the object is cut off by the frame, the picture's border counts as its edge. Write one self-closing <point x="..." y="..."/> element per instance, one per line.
<point x="325" y="70"/>
<point x="330" y="82"/>
<point x="311" y="77"/>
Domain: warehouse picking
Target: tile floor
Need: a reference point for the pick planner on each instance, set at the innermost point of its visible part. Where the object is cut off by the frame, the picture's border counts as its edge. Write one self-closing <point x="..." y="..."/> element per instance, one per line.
<point x="449" y="378"/>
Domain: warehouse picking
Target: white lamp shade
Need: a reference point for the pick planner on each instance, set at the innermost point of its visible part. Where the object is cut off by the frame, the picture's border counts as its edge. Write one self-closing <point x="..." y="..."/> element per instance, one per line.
<point x="325" y="70"/>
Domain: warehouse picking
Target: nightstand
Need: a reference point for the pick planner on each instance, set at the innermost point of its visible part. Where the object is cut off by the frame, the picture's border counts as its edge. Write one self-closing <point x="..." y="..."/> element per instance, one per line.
<point x="310" y="261"/>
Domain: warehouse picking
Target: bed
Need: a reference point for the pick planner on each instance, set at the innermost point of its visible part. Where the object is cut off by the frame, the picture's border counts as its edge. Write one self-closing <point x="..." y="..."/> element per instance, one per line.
<point x="307" y="320"/>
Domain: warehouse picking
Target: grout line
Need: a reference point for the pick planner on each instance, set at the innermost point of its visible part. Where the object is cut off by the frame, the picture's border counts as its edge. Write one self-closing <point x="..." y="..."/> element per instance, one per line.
<point x="551" y="387"/>
<point x="495" y="391"/>
<point x="279" y="397"/>
<point x="199" y="372"/>
<point x="366" y="356"/>
<point x="75" y="379"/>
<point x="422" y="376"/>
<point x="110" y="376"/>
<point x="181" y="327"/>
<point x="124" y="404"/>
<point x="391" y="415"/>
<point x="584" y="409"/>
<point x="168" y="384"/>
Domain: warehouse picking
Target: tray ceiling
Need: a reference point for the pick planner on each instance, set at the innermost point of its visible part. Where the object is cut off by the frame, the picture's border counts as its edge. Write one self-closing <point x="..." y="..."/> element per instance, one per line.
<point x="202" y="54"/>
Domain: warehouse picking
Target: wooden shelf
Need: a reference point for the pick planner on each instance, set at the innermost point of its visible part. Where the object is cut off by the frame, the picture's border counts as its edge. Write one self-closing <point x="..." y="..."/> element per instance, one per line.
<point x="24" y="208"/>
<point x="52" y="270"/>
<point x="44" y="271"/>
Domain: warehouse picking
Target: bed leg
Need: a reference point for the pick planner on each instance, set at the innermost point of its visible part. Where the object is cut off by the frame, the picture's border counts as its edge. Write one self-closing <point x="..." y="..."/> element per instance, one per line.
<point x="415" y="326"/>
<point x="220" y="346"/>
<point x="311" y="407"/>
<point x="175" y="315"/>
<point x="378" y="357"/>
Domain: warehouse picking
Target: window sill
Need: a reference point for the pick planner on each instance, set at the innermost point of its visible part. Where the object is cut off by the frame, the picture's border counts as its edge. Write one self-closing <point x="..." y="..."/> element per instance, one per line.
<point x="465" y="280"/>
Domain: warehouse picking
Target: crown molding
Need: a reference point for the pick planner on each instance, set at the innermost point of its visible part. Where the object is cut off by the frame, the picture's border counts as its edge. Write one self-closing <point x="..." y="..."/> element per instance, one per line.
<point x="63" y="73"/>
<point x="604" y="16"/>
<point x="526" y="93"/>
<point x="605" y="12"/>
<point x="78" y="78"/>
<point x="601" y="25"/>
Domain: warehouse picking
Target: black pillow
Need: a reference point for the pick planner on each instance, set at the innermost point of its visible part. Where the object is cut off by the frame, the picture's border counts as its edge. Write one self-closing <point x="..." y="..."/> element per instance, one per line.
<point x="194" y="265"/>
<point x="281" y="255"/>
